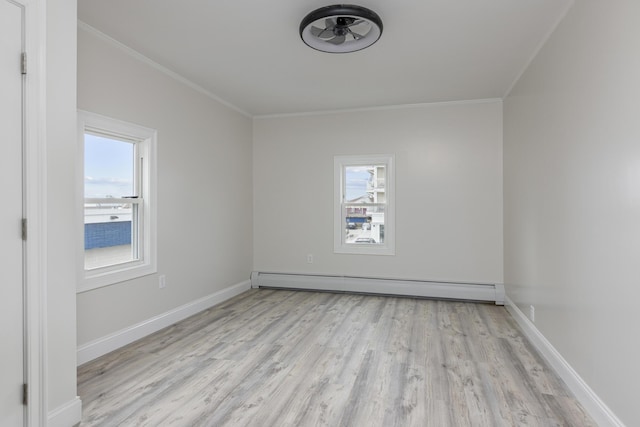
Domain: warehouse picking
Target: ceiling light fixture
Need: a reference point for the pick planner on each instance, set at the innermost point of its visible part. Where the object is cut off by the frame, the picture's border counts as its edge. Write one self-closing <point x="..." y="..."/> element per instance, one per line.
<point x="341" y="28"/>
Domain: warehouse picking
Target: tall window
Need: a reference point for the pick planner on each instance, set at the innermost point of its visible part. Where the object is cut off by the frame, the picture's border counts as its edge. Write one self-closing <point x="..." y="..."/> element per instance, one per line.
<point x="364" y="211"/>
<point x="119" y="200"/>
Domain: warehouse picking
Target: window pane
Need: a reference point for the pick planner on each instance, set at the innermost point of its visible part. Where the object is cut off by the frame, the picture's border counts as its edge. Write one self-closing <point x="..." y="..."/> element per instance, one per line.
<point x="109" y="234"/>
<point x="364" y="192"/>
<point x="364" y="184"/>
<point x="365" y="224"/>
<point x="356" y="180"/>
<point x="108" y="167"/>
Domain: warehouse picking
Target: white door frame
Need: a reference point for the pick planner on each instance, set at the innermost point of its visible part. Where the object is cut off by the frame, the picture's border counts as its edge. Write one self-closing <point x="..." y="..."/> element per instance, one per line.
<point x="35" y="190"/>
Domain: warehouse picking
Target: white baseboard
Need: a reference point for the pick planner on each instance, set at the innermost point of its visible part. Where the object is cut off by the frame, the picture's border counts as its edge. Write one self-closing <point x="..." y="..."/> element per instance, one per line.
<point x="101" y="346"/>
<point x="66" y="415"/>
<point x="598" y="410"/>
<point x="417" y="288"/>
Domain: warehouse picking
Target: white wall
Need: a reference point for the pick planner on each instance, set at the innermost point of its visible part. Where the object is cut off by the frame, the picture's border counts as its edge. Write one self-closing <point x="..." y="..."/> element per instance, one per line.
<point x="61" y="199"/>
<point x="204" y="187"/>
<point x="448" y="183"/>
<point x="572" y="196"/>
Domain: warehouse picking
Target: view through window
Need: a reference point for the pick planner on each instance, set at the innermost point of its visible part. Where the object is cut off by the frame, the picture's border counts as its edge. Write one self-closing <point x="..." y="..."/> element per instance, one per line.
<point x="111" y="203"/>
<point x="364" y="204"/>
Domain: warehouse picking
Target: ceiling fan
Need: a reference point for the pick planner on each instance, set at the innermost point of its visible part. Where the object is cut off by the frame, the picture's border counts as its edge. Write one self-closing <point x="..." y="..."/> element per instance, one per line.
<point x="341" y="28"/>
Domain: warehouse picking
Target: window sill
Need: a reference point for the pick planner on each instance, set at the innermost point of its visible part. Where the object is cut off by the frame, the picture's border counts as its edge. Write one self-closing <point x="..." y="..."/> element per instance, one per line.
<point x="94" y="279"/>
<point x="364" y="250"/>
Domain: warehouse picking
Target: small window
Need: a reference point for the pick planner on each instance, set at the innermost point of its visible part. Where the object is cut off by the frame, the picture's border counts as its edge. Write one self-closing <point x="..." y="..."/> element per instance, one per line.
<point x="364" y="211"/>
<point x="118" y="187"/>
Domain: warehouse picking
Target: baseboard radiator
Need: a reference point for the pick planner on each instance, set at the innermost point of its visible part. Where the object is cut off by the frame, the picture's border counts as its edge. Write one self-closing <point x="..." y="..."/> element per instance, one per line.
<point x="369" y="285"/>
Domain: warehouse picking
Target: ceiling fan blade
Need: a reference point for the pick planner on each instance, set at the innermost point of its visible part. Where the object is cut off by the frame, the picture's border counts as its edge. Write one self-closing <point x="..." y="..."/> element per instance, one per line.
<point x="322" y="33"/>
<point x="330" y="23"/>
<point x="355" y="22"/>
<point x="337" y="40"/>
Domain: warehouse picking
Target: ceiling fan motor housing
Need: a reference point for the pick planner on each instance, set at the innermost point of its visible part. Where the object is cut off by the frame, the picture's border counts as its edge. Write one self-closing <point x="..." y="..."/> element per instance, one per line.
<point x="341" y="28"/>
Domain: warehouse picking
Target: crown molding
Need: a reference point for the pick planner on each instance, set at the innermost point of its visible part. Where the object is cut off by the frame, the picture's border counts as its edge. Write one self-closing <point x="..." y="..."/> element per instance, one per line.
<point x="382" y="108"/>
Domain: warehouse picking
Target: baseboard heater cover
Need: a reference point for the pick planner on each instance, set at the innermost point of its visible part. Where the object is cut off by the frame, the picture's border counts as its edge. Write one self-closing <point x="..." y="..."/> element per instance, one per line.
<point x="416" y="288"/>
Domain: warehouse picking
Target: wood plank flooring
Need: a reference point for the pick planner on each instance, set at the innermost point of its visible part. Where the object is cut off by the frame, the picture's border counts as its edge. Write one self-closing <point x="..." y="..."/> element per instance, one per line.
<point x="288" y="358"/>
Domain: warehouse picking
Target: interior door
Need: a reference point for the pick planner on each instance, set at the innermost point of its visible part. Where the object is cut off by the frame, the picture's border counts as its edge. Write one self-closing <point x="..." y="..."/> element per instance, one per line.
<point x="11" y="243"/>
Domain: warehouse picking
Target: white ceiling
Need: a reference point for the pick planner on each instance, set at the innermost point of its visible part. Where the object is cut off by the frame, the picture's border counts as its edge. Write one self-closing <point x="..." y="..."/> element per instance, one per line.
<point x="249" y="53"/>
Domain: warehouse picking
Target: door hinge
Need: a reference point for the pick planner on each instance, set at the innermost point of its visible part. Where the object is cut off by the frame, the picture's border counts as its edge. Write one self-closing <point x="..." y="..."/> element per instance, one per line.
<point x="24" y="63"/>
<point x="24" y="228"/>
<point x="25" y="394"/>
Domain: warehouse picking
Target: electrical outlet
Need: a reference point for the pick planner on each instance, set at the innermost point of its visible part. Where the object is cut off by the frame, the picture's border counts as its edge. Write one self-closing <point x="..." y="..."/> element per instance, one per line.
<point x="162" y="281"/>
<point x="532" y="313"/>
<point x="309" y="258"/>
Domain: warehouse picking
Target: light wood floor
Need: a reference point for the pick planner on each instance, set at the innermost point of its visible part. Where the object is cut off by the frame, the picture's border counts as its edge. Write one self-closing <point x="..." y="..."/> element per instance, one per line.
<point x="284" y="358"/>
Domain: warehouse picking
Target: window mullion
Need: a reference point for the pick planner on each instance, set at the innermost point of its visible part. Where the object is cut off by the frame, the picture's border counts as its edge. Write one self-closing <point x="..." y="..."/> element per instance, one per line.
<point x="114" y="200"/>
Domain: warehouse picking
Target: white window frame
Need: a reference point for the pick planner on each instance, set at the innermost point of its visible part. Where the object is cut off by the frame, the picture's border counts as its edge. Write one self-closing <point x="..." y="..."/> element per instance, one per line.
<point x="146" y="146"/>
<point x="339" y="246"/>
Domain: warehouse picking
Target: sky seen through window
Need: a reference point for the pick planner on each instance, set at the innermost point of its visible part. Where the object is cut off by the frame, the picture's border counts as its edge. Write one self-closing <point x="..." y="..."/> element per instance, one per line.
<point x="108" y="167"/>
